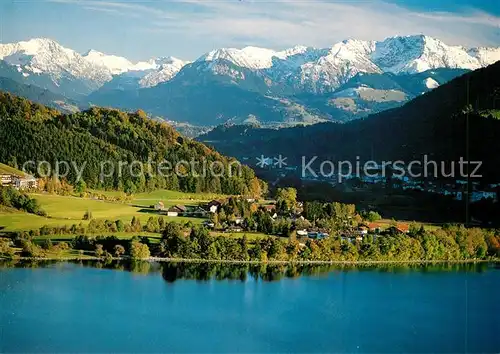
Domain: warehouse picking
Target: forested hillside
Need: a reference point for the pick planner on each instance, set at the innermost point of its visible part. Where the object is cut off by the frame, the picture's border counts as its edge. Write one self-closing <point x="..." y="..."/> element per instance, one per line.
<point x="37" y="94"/>
<point x="33" y="132"/>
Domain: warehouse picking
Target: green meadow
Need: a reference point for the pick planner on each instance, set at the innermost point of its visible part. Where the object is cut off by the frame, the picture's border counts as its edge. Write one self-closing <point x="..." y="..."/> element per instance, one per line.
<point x="69" y="210"/>
<point x="251" y="236"/>
<point x="7" y="170"/>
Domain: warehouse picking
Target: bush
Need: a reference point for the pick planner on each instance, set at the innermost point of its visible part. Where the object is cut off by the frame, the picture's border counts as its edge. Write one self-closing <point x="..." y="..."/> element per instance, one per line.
<point x="47" y="244"/>
<point x="63" y="246"/>
<point x="120" y="226"/>
<point x="5" y="248"/>
<point x="99" y="252"/>
<point x="119" y="250"/>
<point x="87" y="215"/>
<point x="31" y="250"/>
<point x="139" y="250"/>
<point x="373" y="216"/>
<point x="13" y="198"/>
<point x="107" y="256"/>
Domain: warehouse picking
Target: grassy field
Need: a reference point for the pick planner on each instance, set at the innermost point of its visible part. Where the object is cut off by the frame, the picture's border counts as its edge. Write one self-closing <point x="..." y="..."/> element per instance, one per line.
<point x="386" y="223"/>
<point x="170" y="198"/>
<point x="4" y="169"/>
<point x="66" y="254"/>
<point x="251" y="236"/>
<point x="13" y="221"/>
<point x="68" y="210"/>
<point x="66" y="207"/>
<point x="120" y="235"/>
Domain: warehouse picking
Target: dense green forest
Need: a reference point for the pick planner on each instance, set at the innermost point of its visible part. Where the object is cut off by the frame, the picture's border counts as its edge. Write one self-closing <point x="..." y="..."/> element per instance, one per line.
<point x="99" y="139"/>
<point x="434" y="124"/>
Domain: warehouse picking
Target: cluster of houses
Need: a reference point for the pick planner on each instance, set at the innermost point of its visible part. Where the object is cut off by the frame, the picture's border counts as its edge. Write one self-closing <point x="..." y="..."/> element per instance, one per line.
<point x="456" y="189"/>
<point x="181" y="210"/>
<point x="358" y="234"/>
<point x="237" y="224"/>
<point x="18" y="182"/>
<point x="375" y="230"/>
<point x="316" y="235"/>
<point x="188" y="210"/>
<point x="200" y="212"/>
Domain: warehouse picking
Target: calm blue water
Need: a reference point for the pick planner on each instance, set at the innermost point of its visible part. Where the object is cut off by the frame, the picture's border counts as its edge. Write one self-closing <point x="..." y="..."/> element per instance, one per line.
<point x="73" y="308"/>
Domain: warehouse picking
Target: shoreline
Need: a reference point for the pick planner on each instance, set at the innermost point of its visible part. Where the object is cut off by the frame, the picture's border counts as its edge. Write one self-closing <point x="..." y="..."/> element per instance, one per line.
<point x="272" y="262"/>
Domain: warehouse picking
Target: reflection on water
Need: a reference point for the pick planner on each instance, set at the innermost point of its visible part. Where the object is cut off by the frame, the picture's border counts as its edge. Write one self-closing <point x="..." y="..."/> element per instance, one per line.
<point x="125" y="307"/>
<point x="172" y="271"/>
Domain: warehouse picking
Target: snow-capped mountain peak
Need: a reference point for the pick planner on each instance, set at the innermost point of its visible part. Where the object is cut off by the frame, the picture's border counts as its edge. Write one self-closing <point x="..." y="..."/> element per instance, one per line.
<point x="298" y="49"/>
<point x="115" y="64"/>
<point x="248" y="57"/>
<point x="485" y="55"/>
<point x="414" y="54"/>
<point x="334" y="66"/>
<point x="165" y="68"/>
<point x="296" y="69"/>
<point x="43" y="55"/>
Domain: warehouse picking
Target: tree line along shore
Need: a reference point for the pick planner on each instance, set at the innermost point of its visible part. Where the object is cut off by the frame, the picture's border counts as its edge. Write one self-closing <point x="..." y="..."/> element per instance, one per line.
<point x="285" y="231"/>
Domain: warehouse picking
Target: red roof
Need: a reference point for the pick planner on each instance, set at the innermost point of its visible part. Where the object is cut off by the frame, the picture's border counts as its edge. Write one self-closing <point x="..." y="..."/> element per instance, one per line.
<point x="403" y="227"/>
<point x="374" y="225"/>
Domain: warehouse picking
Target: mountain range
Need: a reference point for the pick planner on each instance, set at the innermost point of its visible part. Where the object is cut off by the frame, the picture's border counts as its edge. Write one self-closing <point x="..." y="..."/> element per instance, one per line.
<point x="349" y="80"/>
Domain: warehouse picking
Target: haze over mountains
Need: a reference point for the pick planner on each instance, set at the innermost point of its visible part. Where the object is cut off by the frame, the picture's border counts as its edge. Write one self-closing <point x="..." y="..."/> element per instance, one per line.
<point x="350" y="80"/>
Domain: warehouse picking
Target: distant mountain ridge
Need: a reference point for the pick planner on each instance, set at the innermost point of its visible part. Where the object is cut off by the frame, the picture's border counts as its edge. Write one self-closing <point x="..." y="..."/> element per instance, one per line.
<point x="319" y="83"/>
<point x="43" y="56"/>
<point x="398" y="55"/>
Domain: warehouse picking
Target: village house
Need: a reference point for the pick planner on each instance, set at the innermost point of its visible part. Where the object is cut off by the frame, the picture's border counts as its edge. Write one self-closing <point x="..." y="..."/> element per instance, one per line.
<point x="302" y="233"/>
<point x="352" y="238"/>
<point x="239" y="220"/>
<point x="362" y="230"/>
<point x="317" y="235"/>
<point x="209" y="224"/>
<point x="26" y="182"/>
<point x="176" y="210"/>
<point x="271" y="209"/>
<point x="374" y="227"/>
<point x="196" y="211"/>
<point x="403" y="228"/>
<point x="6" y="180"/>
<point x="233" y="228"/>
<point x="213" y="206"/>
<point x="398" y="229"/>
<point x="19" y="182"/>
<point x="159" y="206"/>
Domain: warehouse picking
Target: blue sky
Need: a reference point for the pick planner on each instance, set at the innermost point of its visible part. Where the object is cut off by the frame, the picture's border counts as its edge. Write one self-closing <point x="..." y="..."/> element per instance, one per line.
<point x="186" y="29"/>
